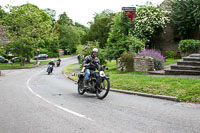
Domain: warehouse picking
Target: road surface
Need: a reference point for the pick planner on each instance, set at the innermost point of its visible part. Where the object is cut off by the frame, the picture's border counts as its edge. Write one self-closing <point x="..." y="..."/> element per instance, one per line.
<point x="33" y="102"/>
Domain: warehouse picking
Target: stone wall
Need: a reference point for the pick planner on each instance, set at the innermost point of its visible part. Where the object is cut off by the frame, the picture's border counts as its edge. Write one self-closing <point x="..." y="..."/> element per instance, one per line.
<point x="165" y="41"/>
<point x="140" y="64"/>
<point x="143" y="64"/>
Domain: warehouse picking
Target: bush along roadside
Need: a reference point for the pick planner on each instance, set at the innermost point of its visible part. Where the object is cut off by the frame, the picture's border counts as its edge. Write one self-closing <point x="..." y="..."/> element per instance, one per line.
<point x="184" y="89"/>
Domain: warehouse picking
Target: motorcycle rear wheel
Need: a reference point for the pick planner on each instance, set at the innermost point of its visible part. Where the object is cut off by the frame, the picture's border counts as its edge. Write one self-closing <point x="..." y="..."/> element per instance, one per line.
<point x="103" y="90"/>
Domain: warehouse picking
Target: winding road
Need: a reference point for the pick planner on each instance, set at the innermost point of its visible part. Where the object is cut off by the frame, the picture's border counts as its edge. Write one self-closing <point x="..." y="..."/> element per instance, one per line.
<point x="33" y="102"/>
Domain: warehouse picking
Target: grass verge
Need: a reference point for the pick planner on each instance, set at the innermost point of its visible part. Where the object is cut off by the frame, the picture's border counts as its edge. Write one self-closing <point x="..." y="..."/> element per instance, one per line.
<point x="17" y="65"/>
<point x="70" y="69"/>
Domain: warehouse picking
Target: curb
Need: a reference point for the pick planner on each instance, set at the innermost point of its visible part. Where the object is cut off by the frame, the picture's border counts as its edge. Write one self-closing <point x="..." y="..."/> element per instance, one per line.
<point x="137" y="93"/>
<point x="146" y="95"/>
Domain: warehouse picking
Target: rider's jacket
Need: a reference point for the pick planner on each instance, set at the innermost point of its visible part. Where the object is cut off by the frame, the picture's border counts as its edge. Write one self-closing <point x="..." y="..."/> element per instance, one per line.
<point x="51" y="63"/>
<point x="59" y="60"/>
<point x="91" y="62"/>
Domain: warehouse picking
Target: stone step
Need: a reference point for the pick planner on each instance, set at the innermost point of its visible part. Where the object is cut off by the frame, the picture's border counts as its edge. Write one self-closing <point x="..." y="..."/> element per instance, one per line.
<point x="183" y="67"/>
<point x="188" y="63"/>
<point x="188" y="58"/>
<point x="182" y="72"/>
<point x="194" y="55"/>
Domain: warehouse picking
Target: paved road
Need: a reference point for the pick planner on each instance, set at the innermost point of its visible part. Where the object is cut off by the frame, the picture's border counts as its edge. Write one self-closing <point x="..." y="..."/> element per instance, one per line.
<point x="33" y="102"/>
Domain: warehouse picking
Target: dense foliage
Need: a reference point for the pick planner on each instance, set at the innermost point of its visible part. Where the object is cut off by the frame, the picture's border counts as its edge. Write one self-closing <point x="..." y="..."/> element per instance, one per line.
<point x="100" y="28"/>
<point x="28" y="26"/>
<point x="188" y="45"/>
<point x="127" y="60"/>
<point x="185" y="17"/>
<point x="170" y="54"/>
<point x="149" y="21"/>
<point x="117" y="40"/>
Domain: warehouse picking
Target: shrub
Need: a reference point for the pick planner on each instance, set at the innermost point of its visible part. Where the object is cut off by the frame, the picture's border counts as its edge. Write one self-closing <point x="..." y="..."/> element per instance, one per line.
<point x="170" y="54"/>
<point x="149" y="21"/>
<point x="159" y="59"/>
<point x="126" y="60"/>
<point x="188" y="45"/>
<point x="135" y="44"/>
<point x="52" y="55"/>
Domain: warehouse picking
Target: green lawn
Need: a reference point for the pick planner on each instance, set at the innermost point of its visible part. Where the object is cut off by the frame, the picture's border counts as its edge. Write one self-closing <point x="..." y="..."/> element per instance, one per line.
<point x="170" y="61"/>
<point x="186" y="89"/>
<point x="17" y="65"/>
<point x="66" y="56"/>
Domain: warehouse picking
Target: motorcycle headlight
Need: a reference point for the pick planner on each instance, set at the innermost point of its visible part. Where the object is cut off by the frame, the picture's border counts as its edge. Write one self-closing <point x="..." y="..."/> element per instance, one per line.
<point x="102" y="74"/>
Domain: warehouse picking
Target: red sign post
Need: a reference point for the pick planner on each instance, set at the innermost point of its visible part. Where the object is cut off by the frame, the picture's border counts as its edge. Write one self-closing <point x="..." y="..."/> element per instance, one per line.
<point x="130" y="12"/>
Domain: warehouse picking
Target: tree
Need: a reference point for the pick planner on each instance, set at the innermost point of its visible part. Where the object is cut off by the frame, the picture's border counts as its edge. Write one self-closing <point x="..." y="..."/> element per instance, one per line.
<point x="2" y="13"/>
<point x="64" y="19"/>
<point x="81" y="29"/>
<point x="100" y="28"/>
<point x="84" y="28"/>
<point x="68" y="38"/>
<point x="117" y="40"/>
<point x="185" y="17"/>
<point x="52" y="14"/>
<point x="27" y="26"/>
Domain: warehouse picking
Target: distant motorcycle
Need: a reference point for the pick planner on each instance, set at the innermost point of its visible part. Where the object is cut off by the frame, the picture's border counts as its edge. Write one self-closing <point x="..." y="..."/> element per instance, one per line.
<point x="58" y="63"/>
<point x="50" y="69"/>
<point x="99" y="83"/>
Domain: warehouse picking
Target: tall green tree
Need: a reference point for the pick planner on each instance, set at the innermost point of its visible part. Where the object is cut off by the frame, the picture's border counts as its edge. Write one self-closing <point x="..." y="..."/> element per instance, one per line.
<point x="100" y="28"/>
<point x="82" y="30"/>
<point x="52" y="15"/>
<point x="27" y="26"/>
<point x="69" y="34"/>
<point x="117" y="40"/>
<point x="185" y="17"/>
<point x="69" y="38"/>
<point x="64" y="19"/>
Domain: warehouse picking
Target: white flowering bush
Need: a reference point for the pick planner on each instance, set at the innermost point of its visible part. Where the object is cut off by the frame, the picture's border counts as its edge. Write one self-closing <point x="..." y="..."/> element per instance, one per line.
<point x="149" y="21"/>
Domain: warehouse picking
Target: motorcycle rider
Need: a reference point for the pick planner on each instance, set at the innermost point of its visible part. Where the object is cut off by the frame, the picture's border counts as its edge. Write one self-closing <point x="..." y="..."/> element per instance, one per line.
<point x="58" y="62"/>
<point x="51" y="63"/>
<point x="91" y="63"/>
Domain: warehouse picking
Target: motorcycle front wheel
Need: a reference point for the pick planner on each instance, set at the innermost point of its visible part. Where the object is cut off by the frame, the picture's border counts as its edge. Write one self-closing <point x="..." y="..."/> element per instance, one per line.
<point x="49" y="71"/>
<point x="81" y="89"/>
<point x="103" y="89"/>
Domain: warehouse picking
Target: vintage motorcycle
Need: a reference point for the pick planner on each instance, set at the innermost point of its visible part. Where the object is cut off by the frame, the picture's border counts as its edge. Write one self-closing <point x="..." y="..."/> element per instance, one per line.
<point x="50" y="69"/>
<point x="99" y="83"/>
<point x="58" y="63"/>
